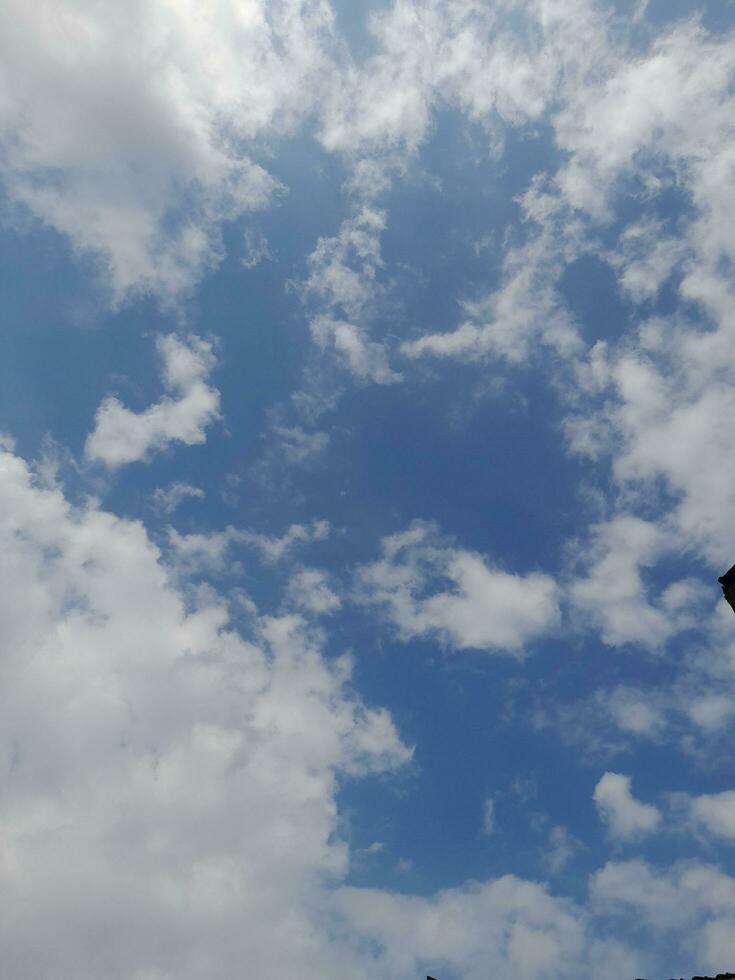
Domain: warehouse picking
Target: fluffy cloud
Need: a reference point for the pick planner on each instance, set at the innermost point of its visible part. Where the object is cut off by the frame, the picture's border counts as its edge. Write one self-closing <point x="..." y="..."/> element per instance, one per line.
<point x="311" y="589"/>
<point x="118" y="697"/>
<point x="664" y="389"/>
<point x="128" y="131"/>
<point x="624" y="816"/>
<point x="669" y="106"/>
<point x="122" y="436"/>
<point x="120" y="693"/>
<point x="613" y="595"/>
<point x="637" y="712"/>
<point x="716" y="812"/>
<point x="496" y="64"/>
<point x="484" y="608"/>
<point x="690" y="907"/>
<point x="506" y="928"/>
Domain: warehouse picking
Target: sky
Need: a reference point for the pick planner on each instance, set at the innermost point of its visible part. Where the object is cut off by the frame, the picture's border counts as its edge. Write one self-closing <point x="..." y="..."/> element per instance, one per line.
<point x="366" y="454"/>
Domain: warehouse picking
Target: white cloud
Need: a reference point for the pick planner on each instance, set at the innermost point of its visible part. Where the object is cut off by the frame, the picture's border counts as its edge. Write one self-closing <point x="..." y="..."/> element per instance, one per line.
<point x="634" y="711"/>
<point x="613" y="595"/>
<point x="273" y="548"/>
<point x="299" y="445"/>
<point x="343" y="269"/>
<point x="689" y="907"/>
<point x="561" y="848"/>
<point x="645" y="259"/>
<point x="671" y="106"/>
<point x="525" y="309"/>
<point x="710" y="711"/>
<point x="256" y="248"/>
<point x="484" y="608"/>
<point x="167" y="786"/>
<point x="197" y="551"/>
<point x="624" y="816"/>
<point x="365" y="358"/>
<point x="655" y="896"/>
<point x="167" y="499"/>
<point x="503" y="928"/>
<point x="122" y="436"/>
<point x="657" y="122"/>
<point x="495" y="63"/>
<point x="716" y="812"/>
<point x="343" y="283"/>
<point x="488" y="816"/>
<point x="120" y="695"/>
<point x="129" y="130"/>
<point x="311" y="589"/>
<point x="659" y="416"/>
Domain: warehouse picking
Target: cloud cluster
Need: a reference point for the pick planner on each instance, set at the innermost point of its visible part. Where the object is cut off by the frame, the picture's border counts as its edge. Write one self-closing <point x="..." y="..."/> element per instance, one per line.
<point x="613" y="595"/>
<point x="169" y="781"/>
<point x="625" y="816"/>
<point x="428" y="588"/>
<point x="131" y="131"/>
<point x="167" y="784"/>
<point x="122" y="436"/>
<point x="690" y="907"/>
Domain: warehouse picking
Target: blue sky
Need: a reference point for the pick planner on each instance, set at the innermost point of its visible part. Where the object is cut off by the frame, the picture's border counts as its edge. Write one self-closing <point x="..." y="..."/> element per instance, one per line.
<point x="365" y="479"/>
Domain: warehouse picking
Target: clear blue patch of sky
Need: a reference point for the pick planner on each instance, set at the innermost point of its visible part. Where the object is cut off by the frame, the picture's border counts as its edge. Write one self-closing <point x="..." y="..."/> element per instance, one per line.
<point x="717" y="16"/>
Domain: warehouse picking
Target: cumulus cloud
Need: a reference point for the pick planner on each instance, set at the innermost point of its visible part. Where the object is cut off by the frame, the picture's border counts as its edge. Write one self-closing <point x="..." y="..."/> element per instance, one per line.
<point x="690" y="906"/>
<point x="671" y="104"/>
<point x="122" y="436"/>
<point x="426" y="587"/>
<point x="132" y="134"/>
<point x="716" y="812"/>
<point x="665" y="388"/>
<point x="118" y="697"/>
<point x="613" y="595"/>
<point x="624" y="816"/>
<point x="634" y="711"/>
<point x="710" y="711"/>
<point x="311" y="589"/>
<point x="507" y="927"/>
<point x="130" y="131"/>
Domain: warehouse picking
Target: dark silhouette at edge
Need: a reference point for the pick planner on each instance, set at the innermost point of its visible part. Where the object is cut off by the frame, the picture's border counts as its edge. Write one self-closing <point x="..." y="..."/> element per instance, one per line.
<point x="727" y="581"/>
